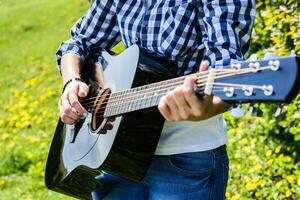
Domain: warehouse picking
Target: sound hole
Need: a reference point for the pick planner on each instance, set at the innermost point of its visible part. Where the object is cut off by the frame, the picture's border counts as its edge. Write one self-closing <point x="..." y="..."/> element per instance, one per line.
<point x="99" y="109"/>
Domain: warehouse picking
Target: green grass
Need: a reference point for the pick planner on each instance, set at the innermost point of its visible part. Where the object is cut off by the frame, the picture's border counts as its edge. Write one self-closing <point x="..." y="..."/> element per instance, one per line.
<point x="264" y="160"/>
<point x="30" y="33"/>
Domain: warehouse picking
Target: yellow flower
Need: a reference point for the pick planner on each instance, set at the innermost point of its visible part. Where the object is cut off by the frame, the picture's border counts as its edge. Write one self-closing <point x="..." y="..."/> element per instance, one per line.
<point x="288" y="193"/>
<point x="235" y="197"/>
<point x="244" y="141"/>
<point x="290" y="179"/>
<point x="277" y="150"/>
<point x="38" y="121"/>
<point x="288" y="159"/>
<point x="42" y="174"/>
<point x="251" y="186"/>
<point x="11" y="144"/>
<point x="278" y="184"/>
<point x="2" y="182"/>
<point x="231" y="140"/>
<point x="255" y="168"/>
<point x="248" y="117"/>
<point x="227" y="194"/>
<point x="270" y="162"/>
<point x="5" y="136"/>
<point x="257" y="194"/>
<point x="29" y="155"/>
<point x="298" y="181"/>
<point x="33" y="139"/>
<point x="268" y="153"/>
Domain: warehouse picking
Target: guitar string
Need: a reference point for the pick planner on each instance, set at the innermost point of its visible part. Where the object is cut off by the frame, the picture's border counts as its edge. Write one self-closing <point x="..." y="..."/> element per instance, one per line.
<point x="148" y="90"/>
<point x="136" y="100"/>
<point x="120" y="93"/>
<point x="139" y="89"/>
<point x="139" y="94"/>
<point x="218" y="89"/>
<point x="124" y="104"/>
<point x="115" y="98"/>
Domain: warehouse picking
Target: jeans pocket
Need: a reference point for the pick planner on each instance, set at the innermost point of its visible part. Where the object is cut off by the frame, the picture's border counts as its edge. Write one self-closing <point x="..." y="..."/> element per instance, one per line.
<point x="195" y="164"/>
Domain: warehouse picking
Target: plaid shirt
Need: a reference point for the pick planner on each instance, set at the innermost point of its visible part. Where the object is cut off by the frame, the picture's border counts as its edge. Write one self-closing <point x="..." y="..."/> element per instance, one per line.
<point x="187" y="31"/>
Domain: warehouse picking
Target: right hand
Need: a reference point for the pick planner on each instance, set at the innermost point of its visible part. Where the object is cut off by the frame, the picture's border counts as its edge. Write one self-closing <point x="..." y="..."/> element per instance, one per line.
<point x="69" y="106"/>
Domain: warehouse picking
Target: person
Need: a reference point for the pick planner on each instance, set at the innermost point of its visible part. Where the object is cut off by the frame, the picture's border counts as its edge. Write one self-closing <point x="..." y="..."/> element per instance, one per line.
<point x="190" y="161"/>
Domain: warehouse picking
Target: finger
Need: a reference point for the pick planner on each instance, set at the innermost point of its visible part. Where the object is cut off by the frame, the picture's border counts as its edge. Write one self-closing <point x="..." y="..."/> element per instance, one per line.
<point x="83" y="90"/>
<point x="164" y="109"/>
<point x="109" y="125"/>
<point x="66" y="109"/>
<point x="170" y="101"/>
<point x="67" y="120"/>
<point x="191" y="98"/>
<point x="204" y="66"/>
<point x="182" y="104"/>
<point x="74" y="102"/>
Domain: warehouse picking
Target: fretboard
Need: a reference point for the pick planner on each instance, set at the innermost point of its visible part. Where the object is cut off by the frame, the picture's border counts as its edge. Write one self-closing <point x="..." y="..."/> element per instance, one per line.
<point x="142" y="97"/>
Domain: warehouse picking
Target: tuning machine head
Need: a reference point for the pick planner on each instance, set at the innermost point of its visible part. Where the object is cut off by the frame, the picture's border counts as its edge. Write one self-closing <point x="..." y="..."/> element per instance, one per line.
<point x="278" y="110"/>
<point x="270" y="55"/>
<point x="236" y="66"/>
<point x="255" y="110"/>
<point x="236" y="111"/>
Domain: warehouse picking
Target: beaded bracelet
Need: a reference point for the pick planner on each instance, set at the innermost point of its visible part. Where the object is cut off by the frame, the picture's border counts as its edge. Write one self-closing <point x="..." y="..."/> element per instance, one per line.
<point x="69" y="81"/>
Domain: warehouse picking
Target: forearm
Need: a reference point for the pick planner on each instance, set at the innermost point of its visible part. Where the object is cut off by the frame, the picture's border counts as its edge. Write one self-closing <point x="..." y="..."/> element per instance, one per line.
<point x="70" y="66"/>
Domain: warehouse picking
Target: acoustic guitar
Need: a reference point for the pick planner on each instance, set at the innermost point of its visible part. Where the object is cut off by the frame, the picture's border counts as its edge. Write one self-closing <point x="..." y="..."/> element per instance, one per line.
<point x="118" y="136"/>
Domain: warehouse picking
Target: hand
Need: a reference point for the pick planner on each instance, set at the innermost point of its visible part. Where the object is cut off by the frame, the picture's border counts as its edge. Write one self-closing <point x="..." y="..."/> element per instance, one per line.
<point x="69" y="107"/>
<point x="183" y="104"/>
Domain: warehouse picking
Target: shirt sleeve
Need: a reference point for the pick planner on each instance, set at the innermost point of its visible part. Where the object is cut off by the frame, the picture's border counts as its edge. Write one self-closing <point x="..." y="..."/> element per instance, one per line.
<point x="95" y="31"/>
<point x="227" y="26"/>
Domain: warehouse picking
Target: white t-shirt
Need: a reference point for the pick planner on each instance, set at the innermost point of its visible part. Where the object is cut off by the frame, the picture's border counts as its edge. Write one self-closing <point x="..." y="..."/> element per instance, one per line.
<point x="188" y="136"/>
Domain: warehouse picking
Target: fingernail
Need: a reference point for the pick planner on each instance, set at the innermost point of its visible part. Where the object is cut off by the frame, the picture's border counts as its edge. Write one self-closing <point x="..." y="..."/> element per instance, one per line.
<point x="205" y="62"/>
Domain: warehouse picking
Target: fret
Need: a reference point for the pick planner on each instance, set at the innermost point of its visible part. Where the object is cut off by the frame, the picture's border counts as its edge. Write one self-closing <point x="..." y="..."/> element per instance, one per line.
<point x="141" y="97"/>
<point x="123" y="106"/>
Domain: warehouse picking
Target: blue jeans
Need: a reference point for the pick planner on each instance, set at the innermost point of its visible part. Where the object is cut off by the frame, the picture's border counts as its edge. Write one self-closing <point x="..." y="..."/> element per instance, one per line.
<point x="187" y="176"/>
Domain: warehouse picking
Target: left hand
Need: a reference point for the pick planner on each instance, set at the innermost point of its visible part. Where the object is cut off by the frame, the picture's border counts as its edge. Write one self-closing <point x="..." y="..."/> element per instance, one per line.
<point x="183" y="104"/>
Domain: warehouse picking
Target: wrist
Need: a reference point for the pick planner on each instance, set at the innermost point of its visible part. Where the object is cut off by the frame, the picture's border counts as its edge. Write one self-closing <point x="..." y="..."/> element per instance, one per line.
<point x="70" y="81"/>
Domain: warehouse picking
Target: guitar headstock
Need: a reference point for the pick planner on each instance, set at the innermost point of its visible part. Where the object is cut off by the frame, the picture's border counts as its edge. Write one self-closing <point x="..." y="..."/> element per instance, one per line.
<point x="266" y="80"/>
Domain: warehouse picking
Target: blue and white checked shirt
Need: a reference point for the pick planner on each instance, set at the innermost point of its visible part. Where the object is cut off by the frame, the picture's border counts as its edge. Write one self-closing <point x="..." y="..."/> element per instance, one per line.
<point x="187" y="31"/>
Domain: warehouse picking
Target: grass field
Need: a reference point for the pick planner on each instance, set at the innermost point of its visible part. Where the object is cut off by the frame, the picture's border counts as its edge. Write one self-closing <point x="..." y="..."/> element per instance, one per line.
<point x="264" y="152"/>
<point x="30" y="32"/>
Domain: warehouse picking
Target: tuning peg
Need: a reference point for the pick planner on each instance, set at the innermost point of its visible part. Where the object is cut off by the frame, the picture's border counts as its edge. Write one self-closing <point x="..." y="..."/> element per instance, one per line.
<point x="270" y="55"/>
<point x="253" y="57"/>
<point x="256" y="111"/>
<point x="292" y="53"/>
<point x="237" y="112"/>
<point x="278" y="110"/>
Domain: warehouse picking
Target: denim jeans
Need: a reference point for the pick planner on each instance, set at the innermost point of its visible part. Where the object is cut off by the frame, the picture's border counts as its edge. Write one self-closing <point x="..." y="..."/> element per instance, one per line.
<point x="187" y="176"/>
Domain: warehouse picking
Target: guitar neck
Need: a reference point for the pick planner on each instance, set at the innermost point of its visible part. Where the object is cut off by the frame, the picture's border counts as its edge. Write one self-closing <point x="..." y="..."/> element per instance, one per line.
<point x="263" y="81"/>
<point x="145" y="96"/>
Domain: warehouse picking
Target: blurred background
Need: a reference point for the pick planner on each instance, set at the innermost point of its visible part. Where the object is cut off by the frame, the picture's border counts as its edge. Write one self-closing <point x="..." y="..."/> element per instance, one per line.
<point x="264" y="151"/>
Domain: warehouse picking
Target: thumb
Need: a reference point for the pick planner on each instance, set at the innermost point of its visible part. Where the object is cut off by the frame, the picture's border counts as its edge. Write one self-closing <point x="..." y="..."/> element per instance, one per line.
<point x="83" y="89"/>
<point x="204" y="66"/>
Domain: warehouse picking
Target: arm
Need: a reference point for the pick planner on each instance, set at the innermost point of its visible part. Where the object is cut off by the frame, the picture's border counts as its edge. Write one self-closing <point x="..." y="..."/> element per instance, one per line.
<point x="95" y="31"/>
<point x="227" y="27"/>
